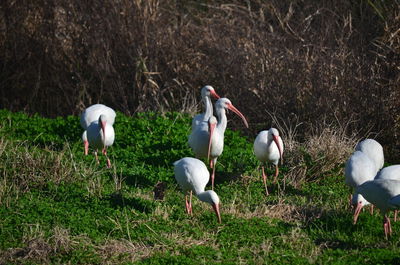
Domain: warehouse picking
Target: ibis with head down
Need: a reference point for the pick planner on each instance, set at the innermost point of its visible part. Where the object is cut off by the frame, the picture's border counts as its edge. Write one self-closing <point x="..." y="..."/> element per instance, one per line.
<point x="192" y="176"/>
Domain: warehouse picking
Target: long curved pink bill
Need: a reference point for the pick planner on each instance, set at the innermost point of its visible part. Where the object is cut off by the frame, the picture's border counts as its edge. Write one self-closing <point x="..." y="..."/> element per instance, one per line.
<point x="216" y="210"/>
<point x="276" y="140"/>
<point x="214" y="94"/>
<point x="232" y="108"/>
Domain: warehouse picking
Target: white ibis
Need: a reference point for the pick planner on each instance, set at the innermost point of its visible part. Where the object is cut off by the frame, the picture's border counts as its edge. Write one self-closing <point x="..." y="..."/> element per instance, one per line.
<point x="92" y="114"/>
<point x="384" y="194"/>
<point x="199" y="139"/>
<point x="268" y="146"/>
<point x="206" y="93"/>
<point x="215" y="140"/>
<point x="390" y="172"/>
<point x="192" y="176"/>
<point x="359" y="169"/>
<point x="373" y="150"/>
<point x="100" y="134"/>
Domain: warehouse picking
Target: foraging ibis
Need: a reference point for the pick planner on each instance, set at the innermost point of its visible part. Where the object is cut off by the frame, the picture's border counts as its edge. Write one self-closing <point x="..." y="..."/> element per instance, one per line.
<point x="373" y="150"/>
<point x="215" y="134"/>
<point x="100" y="134"/>
<point x="206" y="93"/>
<point x="192" y="176"/>
<point x="268" y="146"/>
<point x="384" y="194"/>
<point x="359" y="169"/>
<point x="92" y="114"/>
<point x="390" y="172"/>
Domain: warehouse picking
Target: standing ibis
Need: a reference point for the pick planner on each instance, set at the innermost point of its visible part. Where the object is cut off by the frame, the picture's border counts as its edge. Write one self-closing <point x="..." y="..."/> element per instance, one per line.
<point x="201" y="141"/>
<point x="268" y="147"/>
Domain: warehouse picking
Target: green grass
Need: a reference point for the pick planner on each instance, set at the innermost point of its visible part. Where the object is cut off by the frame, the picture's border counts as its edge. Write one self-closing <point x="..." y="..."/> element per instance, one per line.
<point x="59" y="206"/>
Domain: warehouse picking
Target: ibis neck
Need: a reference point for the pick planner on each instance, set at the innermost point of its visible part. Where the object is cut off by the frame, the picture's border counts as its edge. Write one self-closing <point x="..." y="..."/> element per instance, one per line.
<point x="208" y="107"/>
<point x="204" y="196"/>
<point x="222" y="120"/>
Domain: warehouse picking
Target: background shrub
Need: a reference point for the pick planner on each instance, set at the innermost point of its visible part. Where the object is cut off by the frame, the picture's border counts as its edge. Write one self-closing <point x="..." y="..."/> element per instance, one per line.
<point x="305" y="58"/>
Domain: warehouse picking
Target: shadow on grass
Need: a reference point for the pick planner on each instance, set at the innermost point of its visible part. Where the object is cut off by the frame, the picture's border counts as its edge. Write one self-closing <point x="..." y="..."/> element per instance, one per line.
<point x="137" y="180"/>
<point x="139" y="204"/>
<point x="222" y="177"/>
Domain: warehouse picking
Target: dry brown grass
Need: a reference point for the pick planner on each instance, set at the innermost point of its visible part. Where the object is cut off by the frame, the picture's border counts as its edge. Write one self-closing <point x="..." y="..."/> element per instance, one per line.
<point x="39" y="248"/>
<point x="115" y="250"/>
<point x="280" y="210"/>
<point x="24" y="167"/>
<point x="324" y="151"/>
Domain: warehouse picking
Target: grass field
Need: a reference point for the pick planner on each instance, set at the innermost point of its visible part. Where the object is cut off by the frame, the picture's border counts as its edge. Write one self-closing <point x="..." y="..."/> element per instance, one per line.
<point x="58" y="206"/>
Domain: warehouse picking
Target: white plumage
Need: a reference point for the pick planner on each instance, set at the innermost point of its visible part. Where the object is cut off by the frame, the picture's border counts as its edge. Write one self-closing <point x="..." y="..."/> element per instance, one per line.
<point x="200" y="136"/>
<point x="192" y="176"/>
<point x="390" y="172"/>
<point x="268" y="147"/>
<point x="206" y="93"/>
<point x="97" y="120"/>
<point x="93" y="113"/>
<point x="359" y="169"/>
<point x="373" y="150"/>
<point x="214" y="143"/>
<point x="384" y="194"/>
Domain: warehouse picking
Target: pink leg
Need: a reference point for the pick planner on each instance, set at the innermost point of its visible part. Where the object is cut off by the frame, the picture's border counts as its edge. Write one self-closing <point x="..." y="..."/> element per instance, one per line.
<point x="276" y="174"/>
<point x="190" y="203"/>
<point x="187" y="205"/>
<point x="213" y="162"/>
<point x="387" y="227"/>
<point x="372" y="209"/>
<point x="108" y="160"/>
<point x="395" y="215"/>
<point x="212" y="178"/>
<point x="265" y="181"/>
<point x="86" y="147"/>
